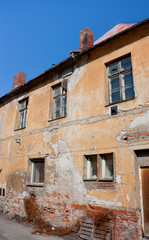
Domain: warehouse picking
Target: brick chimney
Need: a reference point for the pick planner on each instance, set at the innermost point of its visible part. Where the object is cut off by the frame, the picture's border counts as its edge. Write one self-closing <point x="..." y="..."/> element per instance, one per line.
<point x="19" y="79"/>
<point x="86" y="39"/>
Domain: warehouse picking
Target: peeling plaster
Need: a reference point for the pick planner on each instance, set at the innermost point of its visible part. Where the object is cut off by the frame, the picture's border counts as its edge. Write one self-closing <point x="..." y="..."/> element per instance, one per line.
<point x="118" y="179"/>
<point x="143" y="120"/>
<point x="138" y="124"/>
<point x="94" y="201"/>
<point x="116" y="197"/>
<point x="127" y="197"/>
<point x="122" y="134"/>
<point x="69" y="180"/>
<point x="75" y="78"/>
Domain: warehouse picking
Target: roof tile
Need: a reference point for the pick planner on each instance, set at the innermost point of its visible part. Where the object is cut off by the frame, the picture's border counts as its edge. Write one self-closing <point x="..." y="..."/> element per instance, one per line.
<point x="117" y="29"/>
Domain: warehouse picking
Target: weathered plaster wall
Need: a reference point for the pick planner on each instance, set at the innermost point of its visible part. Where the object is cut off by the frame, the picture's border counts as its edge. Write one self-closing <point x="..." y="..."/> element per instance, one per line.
<point x="87" y="129"/>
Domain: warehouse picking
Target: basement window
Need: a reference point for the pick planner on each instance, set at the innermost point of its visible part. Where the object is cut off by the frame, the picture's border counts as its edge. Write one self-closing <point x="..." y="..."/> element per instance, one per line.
<point x="23" y="107"/>
<point x="99" y="168"/>
<point x="60" y="100"/>
<point x="120" y="78"/>
<point x="37" y="171"/>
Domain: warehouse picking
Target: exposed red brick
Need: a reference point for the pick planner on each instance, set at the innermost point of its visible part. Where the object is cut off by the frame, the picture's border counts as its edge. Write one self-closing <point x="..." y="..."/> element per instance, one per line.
<point x="19" y="79"/>
<point x="86" y="39"/>
<point x="79" y="206"/>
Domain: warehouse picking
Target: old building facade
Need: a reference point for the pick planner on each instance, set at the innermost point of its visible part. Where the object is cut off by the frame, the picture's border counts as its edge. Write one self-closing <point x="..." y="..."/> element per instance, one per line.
<point x="77" y="136"/>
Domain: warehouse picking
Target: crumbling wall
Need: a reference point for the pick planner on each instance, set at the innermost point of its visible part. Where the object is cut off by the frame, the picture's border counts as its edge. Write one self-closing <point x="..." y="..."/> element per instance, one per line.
<point x="88" y="128"/>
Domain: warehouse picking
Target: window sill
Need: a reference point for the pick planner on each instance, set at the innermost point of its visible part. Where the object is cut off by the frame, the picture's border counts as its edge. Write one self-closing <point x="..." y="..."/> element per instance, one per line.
<point x="106" y="180"/>
<point x="16" y="129"/>
<point x="90" y="179"/>
<point x="53" y="119"/>
<point x="111" y="104"/>
<point x="35" y="184"/>
<point x="104" y="184"/>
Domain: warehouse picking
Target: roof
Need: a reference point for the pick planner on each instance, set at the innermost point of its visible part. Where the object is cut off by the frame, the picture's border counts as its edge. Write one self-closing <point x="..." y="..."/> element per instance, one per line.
<point x="117" y="29"/>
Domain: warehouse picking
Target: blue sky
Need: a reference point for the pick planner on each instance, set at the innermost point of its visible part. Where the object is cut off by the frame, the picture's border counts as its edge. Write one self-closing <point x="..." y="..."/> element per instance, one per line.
<point x="34" y="34"/>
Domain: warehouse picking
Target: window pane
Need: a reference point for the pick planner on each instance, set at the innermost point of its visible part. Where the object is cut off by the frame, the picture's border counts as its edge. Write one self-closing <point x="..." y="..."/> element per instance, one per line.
<point x="57" y="107"/>
<point x="113" y="69"/>
<point x="92" y="166"/>
<point x="26" y="103"/>
<point x="128" y="79"/>
<point x="64" y="86"/>
<point x="22" y="119"/>
<point x="129" y="93"/>
<point x="115" y="83"/>
<point x="57" y="114"/>
<point x="64" y="100"/>
<point x="109" y="168"/>
<point x="107" y="165"/>
<point x="116" y="96"/>
<point x="22" y="113"/>
<point x="57" y="103"/>
<point x="25" y="114"/>
<point x="126" y="63"/>
<point x="38" y="172"/>
<point x="60" y="100"/>
<point x="22" y="105"/>
<point x="57" y="91"/>
<point x="93" y="169"/>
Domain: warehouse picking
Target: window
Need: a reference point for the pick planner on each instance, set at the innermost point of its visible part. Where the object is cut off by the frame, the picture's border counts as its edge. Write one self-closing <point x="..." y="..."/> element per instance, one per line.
<point x="22" y="113"/>
<point x="60" y="100"/>
<point x="120" y="77"/>
<point x="2" y="192"/>
<point x="37" y="171"/>
<point x="99" y="166"/>
<point x="91" y="161"/>
<point x="106" y="167"/>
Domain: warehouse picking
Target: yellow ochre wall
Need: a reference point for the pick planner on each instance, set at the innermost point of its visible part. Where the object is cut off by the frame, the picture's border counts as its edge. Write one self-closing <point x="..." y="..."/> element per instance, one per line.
<point x="87" y="129"/>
